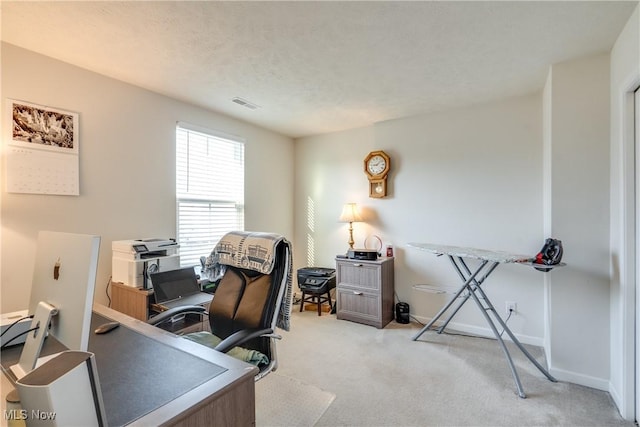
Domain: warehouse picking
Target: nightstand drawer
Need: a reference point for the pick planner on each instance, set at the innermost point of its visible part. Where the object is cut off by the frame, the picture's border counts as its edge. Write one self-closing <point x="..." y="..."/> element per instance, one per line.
<point x="359" y="274"/>
<point x="358" y="306"/>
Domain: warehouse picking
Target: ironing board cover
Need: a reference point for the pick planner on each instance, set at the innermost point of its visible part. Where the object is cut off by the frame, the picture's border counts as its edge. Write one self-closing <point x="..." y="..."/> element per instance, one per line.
<point x="465" y="252"/>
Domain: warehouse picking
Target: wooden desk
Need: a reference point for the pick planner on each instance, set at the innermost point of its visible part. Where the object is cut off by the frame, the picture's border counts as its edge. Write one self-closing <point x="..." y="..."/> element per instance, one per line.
<point x="225" y="395"/>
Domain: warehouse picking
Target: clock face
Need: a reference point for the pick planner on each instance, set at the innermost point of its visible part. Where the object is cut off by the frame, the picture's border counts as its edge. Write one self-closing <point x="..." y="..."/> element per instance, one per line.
<point x="376" y="165"/>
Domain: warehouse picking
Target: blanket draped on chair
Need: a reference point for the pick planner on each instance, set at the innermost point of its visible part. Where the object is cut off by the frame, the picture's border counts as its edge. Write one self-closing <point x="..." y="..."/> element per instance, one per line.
<point x="253" y="251"/>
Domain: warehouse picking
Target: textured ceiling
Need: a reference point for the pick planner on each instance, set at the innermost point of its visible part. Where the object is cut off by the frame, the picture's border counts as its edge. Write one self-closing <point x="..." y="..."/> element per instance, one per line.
<point x="317" y="67"/>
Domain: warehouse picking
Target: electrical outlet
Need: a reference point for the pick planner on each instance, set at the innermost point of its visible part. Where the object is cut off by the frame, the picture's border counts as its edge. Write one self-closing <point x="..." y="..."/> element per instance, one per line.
<point x="511" y="307"/>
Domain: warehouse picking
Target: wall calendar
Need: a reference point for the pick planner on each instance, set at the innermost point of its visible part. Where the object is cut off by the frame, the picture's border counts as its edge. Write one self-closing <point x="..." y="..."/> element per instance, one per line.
<point x="42" y="157"/>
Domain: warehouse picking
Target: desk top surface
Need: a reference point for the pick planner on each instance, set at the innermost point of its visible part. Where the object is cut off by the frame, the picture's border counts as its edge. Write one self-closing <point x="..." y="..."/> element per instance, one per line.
<point x="466" y="252"/>
<point x="152" y="373"/>
<point x="147" y="375"/>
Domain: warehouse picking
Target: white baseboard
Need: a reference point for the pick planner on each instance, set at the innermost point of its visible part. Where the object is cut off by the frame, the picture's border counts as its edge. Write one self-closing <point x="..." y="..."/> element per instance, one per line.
<point x="560" y="374"/>
<point x="616" y="396"/>
<point x="483" y="331"/>
<point x="580" y="379"/>
<point x="626" y="408"/>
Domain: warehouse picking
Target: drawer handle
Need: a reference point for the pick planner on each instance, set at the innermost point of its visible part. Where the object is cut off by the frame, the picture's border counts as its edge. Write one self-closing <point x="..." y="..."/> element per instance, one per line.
<point x="357" y="265"/>
<point x="357" y="293"/>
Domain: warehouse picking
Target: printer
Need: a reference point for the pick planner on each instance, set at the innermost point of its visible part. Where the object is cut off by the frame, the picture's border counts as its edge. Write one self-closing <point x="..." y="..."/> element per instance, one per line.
<point x="316" y="279"/>
<point x="133" y="260"/>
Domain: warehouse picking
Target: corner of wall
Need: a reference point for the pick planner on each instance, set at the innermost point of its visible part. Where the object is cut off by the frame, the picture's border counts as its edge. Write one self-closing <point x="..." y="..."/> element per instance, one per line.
<point x="575" y="124"/>
<point x="546" y="198"/>
<point x="625" y="78"/>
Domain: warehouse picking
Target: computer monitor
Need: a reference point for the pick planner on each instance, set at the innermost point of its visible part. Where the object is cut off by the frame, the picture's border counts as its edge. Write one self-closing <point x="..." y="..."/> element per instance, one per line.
<point x="62" y="291"/>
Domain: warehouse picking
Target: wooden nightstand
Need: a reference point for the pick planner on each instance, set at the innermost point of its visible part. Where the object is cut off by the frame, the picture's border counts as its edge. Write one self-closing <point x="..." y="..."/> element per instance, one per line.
<point x="135" y="302"/>
<point x="131" y="301"/>
<point x="364" y="291"/>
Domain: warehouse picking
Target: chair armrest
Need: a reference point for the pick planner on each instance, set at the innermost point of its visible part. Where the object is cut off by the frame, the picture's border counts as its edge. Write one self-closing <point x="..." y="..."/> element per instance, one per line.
<point x="168" y="314"/>
<point x="241" y="337"/>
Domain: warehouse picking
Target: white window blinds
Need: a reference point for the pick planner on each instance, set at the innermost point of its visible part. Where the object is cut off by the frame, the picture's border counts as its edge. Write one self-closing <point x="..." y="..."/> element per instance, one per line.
<point x="209" y="190"/>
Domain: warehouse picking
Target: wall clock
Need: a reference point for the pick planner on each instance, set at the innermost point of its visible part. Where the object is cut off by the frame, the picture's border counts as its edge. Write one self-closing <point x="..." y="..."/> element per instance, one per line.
<point x="377" y="165"/>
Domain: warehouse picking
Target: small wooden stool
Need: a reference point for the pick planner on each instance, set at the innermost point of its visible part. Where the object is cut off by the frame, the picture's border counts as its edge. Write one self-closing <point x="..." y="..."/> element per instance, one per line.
<point x="315" y="298"/>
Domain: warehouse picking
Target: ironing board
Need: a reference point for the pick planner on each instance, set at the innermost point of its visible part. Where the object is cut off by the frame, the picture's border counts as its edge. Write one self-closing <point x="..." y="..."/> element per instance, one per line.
<point x="472" y="281"/>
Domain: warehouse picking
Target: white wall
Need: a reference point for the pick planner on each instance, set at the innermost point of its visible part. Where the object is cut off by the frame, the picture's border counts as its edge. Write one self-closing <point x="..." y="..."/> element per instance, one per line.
<point x="577" y="212"/>
<point x="625" y="78"/>
<point x="127" y="167"/>
<point x="468" y="177"/>
<point x="474" y="177"/>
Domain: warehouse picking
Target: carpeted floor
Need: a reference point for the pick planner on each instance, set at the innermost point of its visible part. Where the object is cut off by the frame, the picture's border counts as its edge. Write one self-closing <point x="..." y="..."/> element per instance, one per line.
<point x="283" y="402"/>
<point x="382" y="378"/>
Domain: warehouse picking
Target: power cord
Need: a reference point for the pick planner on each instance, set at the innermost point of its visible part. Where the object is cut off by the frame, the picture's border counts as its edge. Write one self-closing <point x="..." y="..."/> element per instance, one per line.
<point x="106" y="291"/>
<point x="507" y="319"/>
<point x="19" y="335"/>
<point x="15" y="323"/>
<point x="296" y="299"/>
<point x="149" y="269"/>
<point x="395" y="294"/>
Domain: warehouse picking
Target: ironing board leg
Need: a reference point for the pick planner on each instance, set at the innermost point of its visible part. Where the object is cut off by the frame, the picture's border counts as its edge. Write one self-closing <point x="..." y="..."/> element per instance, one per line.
<point x="491" y="308"/>
<point x="515" y="340"/>
<point x="475" y="287"/>
<point x="449" y="304"/>
<point x="472" y="285"/>
<point x="464" y="279"/>
<point x="516" y="378"/>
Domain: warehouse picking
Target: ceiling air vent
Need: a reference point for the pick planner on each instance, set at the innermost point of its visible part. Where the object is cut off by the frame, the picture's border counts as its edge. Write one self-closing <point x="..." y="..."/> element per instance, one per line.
<point x="244" y="103"/>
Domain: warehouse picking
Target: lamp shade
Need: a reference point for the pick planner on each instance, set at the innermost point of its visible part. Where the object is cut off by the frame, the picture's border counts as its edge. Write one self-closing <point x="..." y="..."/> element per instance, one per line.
<point x="350" y="213"/>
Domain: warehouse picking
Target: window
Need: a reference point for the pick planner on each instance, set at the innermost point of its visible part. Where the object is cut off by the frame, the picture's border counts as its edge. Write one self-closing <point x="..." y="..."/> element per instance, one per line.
<point x="209" y="190"/>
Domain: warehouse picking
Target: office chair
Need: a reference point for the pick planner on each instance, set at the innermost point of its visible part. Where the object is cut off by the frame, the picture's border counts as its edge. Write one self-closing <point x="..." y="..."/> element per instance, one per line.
<point x="253" y="296"/>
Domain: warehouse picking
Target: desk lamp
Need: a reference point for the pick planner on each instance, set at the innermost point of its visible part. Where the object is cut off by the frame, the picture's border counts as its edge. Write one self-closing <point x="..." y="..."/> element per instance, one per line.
<point x="350" y="214"/>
